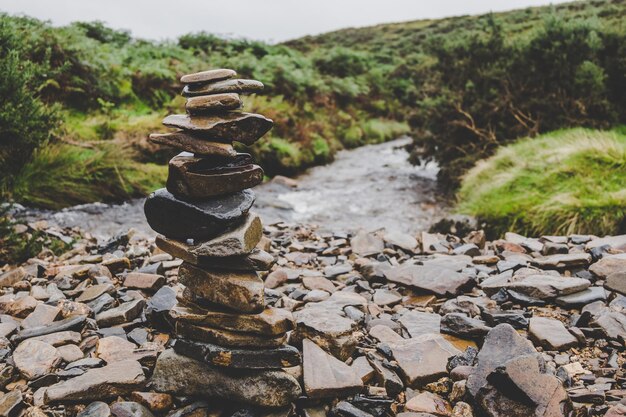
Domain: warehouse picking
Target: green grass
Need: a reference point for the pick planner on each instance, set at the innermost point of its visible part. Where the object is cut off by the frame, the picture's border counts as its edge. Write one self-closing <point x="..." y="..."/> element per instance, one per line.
<point x="563" y="182"/>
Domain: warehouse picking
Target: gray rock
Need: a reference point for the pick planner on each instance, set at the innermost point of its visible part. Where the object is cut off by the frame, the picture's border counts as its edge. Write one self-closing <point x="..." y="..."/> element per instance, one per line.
<point x="439" y="281"/>
<point x="209" y="76"/>
<point x="35" y="359"/>
<point x="326" y="376"/>
<point x="582" y="298"/>
<point x="608" y="265"/>
<point x="550" y="334"/>
<point x="215" y="103"/>
<point x="123" y="313"/>
<point x="96" y="409"/>
<point x="460" y="325"/>
<point x="226" y="86"/>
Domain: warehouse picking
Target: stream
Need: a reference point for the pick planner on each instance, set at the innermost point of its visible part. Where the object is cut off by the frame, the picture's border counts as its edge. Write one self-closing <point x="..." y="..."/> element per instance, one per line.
<point x="370" y="187"/>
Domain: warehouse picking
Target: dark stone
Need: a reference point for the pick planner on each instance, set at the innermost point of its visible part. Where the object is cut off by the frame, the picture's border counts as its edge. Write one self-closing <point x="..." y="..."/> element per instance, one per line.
<point x="277" y="358"/>
<point x="375" y="406"/>
<point x="96" y="409"/>
<point x="194" y="178"/>
<point x="345" y="409"/>
<point x="226" y="86"/>
<point x="205" y="219"/>
<point x="242" y="127"/>
<point x="460" y="325"/>
<point x="185" y="141"/>
<point x="159" y="305"/>
<point x="516" y="318"/>
<point x="70" y="323"/>
<point x="129" y="409"/>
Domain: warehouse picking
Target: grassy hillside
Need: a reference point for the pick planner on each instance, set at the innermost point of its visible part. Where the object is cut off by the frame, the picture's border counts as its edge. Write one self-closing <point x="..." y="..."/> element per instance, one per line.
<point x="570" y="181"/>
<point x="80" y="100"/>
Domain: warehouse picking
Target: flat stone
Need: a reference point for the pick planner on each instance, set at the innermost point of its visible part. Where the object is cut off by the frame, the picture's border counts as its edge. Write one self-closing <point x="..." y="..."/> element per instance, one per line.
<point x="195" y="178"/>
<point x="70" y="353"/>
<point x="612" y="324"/>
<point x="179" y="375"/>
<point x="542" y="287"/>
<point x="458" y="324"/>
<point x="550" y="334"/>
<point x="427" y="402"/>
<point x="19" y="307"/>
<point x="41" y="316"/>
<point x="562" y="261"/>
<point x="94" y="291"/>
<point x="208" y="76"/>
<point x="110" y="381"/>
<point x="215" y="103"/>
<point x="188" y="142"/>
<point x="10" y="403"/>
<point x="237" y="242"/>
<point x="277" y="358"/>
<point x="579" y="299"/>
<point x="114" y="348"/>
<point x="616" y="281"/>
<point x="59" y="338"/>
<point x="366" y="244"/>
<point x="96" y="409"/>
<point x="419" y="323"/>
<point x="34" y="358"/>
<point x="383" y="297"/>
<point x="439" y="281"/>
<point x="242" y="127"/>
<point x="240" y="291"/>
<point x="615" y="242"/>
<point x="501" y="344"/>
<point x="227" y="86"/>
<point x="123" y="313"/>
<point x="227" y="338"/>
<point x="325" y="376"/>
<point x="143" y="281"/>
<point x="271" y="321"/>
<point x="608" y="265"/>
<point x="257" y="260"/>
<point x="363" y="369"/>
<point x="70" y="323"/>
<point x="318" y="283"/>
<point x="178" y="219"/>
<point x="384" y="334"/>
<point x="129" y="409"/>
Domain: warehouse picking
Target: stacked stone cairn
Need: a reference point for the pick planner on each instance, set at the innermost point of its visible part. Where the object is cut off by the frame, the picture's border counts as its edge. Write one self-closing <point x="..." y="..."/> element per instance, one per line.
<point x="222" y="326"/>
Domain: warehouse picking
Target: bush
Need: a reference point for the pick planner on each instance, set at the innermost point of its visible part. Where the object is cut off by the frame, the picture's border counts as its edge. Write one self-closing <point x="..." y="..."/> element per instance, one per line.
<point x="564" y="182"/>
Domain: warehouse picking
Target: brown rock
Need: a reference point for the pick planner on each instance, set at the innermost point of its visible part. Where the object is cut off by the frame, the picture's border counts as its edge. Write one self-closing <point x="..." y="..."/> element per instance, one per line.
<point x="226" y="86"/>
<point x="188" y="142"/>
<point x="242" y="127"/>
<point x="9" y="278"/>
<point x="366" y="244"/>
<point x="240" y="241"/>
<point x="192" y="177"/>
<point x="271" y="321"/>
<point x="276" y="278"/>
<point x="438" y="280"/>
<point x="239" y="291"/>
<point x="426" y="402"/>
<point x="117" y="378"/>
<point x="10" y="403"/>
<point x="608" y="265"/>
<point x="94" y="291"/>
<point x="121" y="314"/>
<point x="34" y="358"/>
<point x="551" y="334"/>
<point x="616" y="281"/>
<point x="208" y="76"/>
<point x="215" y="103"/>
<point x="155" y="401"/>
<point x="41" y="316"/>
<point x="226" y="337"/>
<point x="146" y="282"/>
<point x="326" y="376"/>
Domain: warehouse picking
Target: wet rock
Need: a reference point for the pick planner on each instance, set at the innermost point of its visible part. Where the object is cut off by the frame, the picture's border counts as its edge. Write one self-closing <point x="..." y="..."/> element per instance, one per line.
<point x="195" y="178"/>
<point x="226" y="337"/>
<point x="242" y="127"/>
<point x="271" y="321"/>
<point x="179" y="375"/>
<point x="551" y="334"/>
<point x="277" y="358"/>
<point x="35" y="359"/>
<point x="209" y="76"/>
<point x="178" y="219"/>
<point x="117" y="378"/>
<point x="439" y="281"/>
<point x="216" y="103"/>
<point x="123" y="313"/>
<point x="187" y="142"/>
<point x="427" y="402"/>
<point x="326" y="376"/>
<point x="239" y="291"/>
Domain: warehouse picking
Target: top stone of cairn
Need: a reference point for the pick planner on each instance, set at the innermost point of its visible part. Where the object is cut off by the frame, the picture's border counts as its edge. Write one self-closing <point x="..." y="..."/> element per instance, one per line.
<point x="208" y="76"/>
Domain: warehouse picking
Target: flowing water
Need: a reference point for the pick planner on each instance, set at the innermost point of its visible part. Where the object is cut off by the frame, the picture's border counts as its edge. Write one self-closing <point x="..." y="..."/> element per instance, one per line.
<point x="370" y="187"/>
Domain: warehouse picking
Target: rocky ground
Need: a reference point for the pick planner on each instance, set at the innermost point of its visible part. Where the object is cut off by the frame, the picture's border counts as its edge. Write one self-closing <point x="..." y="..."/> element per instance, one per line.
<point x="386" y="323"/>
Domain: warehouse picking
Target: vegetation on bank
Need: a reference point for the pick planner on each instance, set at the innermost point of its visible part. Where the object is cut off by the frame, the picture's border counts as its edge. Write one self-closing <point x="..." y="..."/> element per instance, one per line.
<point x="564" y="182"/>
<point x="79" y="100"/>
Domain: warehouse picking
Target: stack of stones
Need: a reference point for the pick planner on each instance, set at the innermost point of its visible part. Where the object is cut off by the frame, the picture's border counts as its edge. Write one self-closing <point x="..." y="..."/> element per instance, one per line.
<point x="203" y="217"/>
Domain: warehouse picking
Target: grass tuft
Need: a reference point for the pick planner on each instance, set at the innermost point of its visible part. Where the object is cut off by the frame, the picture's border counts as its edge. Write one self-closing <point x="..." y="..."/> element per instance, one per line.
<point x="563" y="182"/>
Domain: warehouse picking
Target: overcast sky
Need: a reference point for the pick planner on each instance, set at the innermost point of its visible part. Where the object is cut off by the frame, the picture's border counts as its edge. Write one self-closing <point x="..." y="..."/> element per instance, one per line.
<point x="269" y="20"/>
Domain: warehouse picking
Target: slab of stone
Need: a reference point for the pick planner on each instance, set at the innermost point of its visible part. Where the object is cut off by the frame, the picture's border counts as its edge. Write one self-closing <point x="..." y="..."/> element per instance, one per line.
<point x="94" y="291"/>
<point x="562" y="261"/>
<point x="611" y="323"/>
<point x="110" y="381"/>
<point x="35" y="359"/>
<point x="227" y="86"/>
<point x="439" y="281"/>
<point x="616" y="281"/>
<point x="366" y="244"/>
<point x="155" y="401"/>
<point x="257" y="260"/>
<point x="325" y="376"/>
<point x="427" y="402"/>
<point x="208" y="76"/>
<point x="242" y="127"/>
<point x="70" y="353"/>
<point x="239" y="241"/>
<point x="459" y="324"/>
<point x="240" y="291"/>
<point x="179" y="375"/>
<point x="270" y="322"/>
<point x="178" y="219"/>
<point x="227" y="338"/>
<point x="10" y="277"/>
<point x="363" y="369"/>
<point x="59" y="338"/>
<point x="424" y="359"/>
<point x="215" y="103"/>
<point x="404" y="241"/>
<point x="17" y="306"/>
<point x="200" y="178"/>
<point x="582" y="298"/>
<point x="550" y="334"/>
<point x="384" y="334"/>
<point x="234" y="358"/>
<point x="129" y="409"/>
<point x="188" y="142"/>
<point x="384" y="297"/>
<point x="615" y="242"/>
<point x="123" y="313"/>
<point x="42" y="315"/>
<point x="608" y="265"/>
<point x="542" y="287"/>
<point x="419" y="323"/>
<point x="501" y="344"/>
<point x="70" y="323"/>
<point x="143" y="281"/>
<point x="10" y="403"/>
